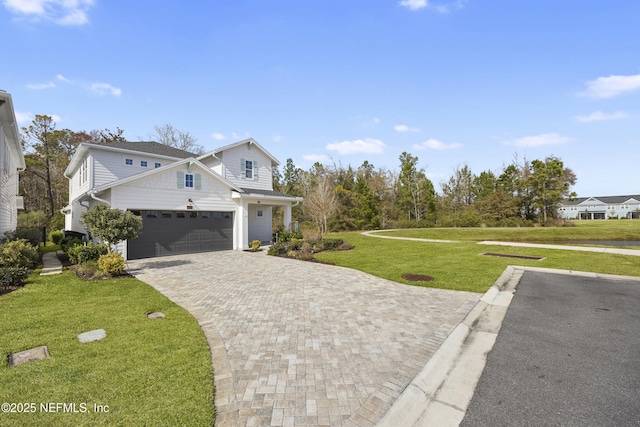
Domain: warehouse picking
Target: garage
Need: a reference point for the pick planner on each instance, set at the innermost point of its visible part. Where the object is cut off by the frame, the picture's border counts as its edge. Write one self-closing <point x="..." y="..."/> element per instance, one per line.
<point x="181" y="232"/>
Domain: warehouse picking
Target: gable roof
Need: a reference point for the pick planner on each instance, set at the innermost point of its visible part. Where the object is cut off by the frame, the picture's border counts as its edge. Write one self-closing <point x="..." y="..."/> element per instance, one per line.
<point x="149" y="147"/>
<point x="249" y="141"/>
<point x="607" y="200"/>
<point x="190" y="160"/>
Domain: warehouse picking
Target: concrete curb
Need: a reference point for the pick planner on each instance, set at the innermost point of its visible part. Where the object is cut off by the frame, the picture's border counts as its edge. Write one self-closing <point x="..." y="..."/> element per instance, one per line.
<point x="441" y="392"/>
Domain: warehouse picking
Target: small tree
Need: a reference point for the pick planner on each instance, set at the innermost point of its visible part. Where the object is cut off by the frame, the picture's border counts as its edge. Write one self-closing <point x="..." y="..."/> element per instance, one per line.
<point x="111" y="226"/>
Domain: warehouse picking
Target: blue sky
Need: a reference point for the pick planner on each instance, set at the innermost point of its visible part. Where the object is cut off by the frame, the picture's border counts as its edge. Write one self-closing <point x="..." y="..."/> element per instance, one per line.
<point x="452" y="82"/>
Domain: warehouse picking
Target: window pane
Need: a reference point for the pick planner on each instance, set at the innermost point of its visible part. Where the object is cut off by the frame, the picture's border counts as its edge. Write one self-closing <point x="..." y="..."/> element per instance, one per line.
<point x="205" y="215"/>
<point x="180" y="215"/>
<point x="166" y="214"/>
<point x="188" y="180"/>
<point x="193" y="214"/>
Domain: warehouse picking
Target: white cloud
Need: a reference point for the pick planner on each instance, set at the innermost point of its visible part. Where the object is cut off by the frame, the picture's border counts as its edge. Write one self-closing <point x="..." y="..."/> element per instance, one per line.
<point x="434" y="144"/>
<point x="321" y="158"/>
<point x="608" y="87"/>
<point x="539" y="140"/>
<point x="62" y="78"/>
<point x="405" y="128"/>
<point x="56" y="118"/>
<point x="24" y="118"/>
<point x="441" y="8"/>
<point x="278" y="138"/>
<point x="599" y="116"/>
<point x="40" y="86"/>
<point x="414" y="4"/>
<point x="218" y="136"/>
<point x="105" y="88"/>
<point x="367" y="145"/>
<point x="62" y="12"/>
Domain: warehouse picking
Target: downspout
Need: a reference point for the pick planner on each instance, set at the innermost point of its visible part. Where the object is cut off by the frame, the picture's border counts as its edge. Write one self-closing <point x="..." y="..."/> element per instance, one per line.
<point x="92" y="193"/>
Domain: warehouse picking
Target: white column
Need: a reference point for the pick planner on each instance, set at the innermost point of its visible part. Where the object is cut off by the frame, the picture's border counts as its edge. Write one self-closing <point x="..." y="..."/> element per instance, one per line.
<point x="242" y="226"/>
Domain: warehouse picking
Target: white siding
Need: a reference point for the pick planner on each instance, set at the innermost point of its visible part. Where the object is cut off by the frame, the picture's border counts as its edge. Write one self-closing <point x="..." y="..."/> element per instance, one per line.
<point x="8" y="187"/>
<point x="232" y="172"/>
<point x="109" y="166"/>
<point x="260" y="227"/>
<point x="160" y="191"/>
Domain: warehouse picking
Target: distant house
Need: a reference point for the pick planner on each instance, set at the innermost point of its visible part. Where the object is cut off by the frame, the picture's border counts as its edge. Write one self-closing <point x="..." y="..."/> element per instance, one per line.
<point x="11" y="162"/>
<point x="189" y="203"/>
<point x="606" y="207"/>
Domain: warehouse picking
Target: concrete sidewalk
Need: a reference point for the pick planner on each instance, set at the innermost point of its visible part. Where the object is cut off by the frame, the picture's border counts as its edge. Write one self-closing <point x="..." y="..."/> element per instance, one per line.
<point x="619" y="251"/>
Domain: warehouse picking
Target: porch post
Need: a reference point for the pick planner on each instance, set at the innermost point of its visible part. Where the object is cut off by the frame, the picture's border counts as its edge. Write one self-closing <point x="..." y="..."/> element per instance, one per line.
<point x="242" y="226"/>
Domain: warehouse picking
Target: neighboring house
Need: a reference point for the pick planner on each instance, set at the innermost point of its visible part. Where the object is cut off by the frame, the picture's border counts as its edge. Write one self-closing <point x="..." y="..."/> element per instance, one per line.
<point x="188" y="203"/>
<point x="601" y="207"/>
<point x="11" y="162"/>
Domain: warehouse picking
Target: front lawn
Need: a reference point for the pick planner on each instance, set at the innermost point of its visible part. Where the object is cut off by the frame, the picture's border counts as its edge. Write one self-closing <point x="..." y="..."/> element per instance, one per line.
<point x="460" y="266"/>
<point x="145" y="372"/>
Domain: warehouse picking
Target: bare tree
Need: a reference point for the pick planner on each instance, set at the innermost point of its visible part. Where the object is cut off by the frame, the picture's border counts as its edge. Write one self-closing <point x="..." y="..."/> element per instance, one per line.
<point x="169" y="135"/>
<point x="320" y="199"/>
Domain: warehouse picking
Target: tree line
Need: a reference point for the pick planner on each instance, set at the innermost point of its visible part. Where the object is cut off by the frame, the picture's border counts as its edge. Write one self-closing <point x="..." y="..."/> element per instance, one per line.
<point x="338" y="198"/>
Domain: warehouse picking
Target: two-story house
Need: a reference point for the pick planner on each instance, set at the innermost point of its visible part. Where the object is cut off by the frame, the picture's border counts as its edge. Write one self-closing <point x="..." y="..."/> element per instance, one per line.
<point x="220" y="200"/>
<point x="11" y="162"/>
<point x="601" y="207"/>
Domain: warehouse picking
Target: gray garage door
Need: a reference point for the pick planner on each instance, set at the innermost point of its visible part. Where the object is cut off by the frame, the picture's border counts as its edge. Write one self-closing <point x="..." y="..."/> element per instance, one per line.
<point x="181" y="232"/>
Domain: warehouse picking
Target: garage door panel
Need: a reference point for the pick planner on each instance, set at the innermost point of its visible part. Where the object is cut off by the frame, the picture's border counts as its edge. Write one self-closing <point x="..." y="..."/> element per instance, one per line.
<point x="181" y="232"/>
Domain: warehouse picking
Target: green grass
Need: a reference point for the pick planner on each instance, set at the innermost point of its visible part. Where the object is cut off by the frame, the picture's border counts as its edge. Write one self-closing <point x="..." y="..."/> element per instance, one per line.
<point x="460" y="266"/>
<point x="584" y="230"/>
<point x="147" y="371"/>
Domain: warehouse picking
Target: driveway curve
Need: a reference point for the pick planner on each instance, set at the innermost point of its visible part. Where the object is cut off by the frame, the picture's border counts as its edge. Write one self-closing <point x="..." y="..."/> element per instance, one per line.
<point x="296" y="343"/>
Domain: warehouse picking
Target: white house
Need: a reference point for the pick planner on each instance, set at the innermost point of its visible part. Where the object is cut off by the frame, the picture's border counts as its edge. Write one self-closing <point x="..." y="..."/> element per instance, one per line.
<point x="188" y="203"/>
<point x="11" y="162"/>
<point x="601" y="207"/>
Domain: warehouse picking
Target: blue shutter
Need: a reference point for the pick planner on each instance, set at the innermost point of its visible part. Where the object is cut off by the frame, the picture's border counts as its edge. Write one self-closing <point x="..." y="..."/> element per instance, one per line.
<point x="197" y="181"/>
<point x="180" y="179"/>
<point x="255" y="170"/>
<point x="243" y="168"/>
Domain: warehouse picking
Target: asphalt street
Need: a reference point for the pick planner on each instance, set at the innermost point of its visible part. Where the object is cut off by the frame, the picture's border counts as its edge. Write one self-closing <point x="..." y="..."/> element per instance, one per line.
<point x="568" y="354"/>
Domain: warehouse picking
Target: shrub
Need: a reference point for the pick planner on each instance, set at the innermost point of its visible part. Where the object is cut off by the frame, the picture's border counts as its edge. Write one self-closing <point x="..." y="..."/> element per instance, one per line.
<point x="331" y="244"/>
<point x="67" y="242"/>
<point x="32" y="234"/>
<point x="112" y="264"/>
<point x="282" y="248"/>
<point x="80" y="254"/>
<point x="255" y="245"/>
<point x="56" y="237"/>
<point x="17" y="259"/>
<point x="86" y="271"/>
<point x="286" y="236"/>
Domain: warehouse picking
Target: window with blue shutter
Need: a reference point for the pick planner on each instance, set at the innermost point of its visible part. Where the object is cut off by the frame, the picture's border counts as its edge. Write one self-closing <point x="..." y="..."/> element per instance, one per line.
<point x="188" y="180"/>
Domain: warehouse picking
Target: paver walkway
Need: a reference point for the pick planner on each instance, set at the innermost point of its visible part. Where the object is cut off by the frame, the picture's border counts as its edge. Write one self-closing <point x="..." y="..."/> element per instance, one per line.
<point x="296" y="343"/>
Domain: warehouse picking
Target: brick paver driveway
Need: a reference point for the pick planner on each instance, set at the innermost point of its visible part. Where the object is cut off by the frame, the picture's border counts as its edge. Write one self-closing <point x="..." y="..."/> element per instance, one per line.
<point x="299" y="343"/>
